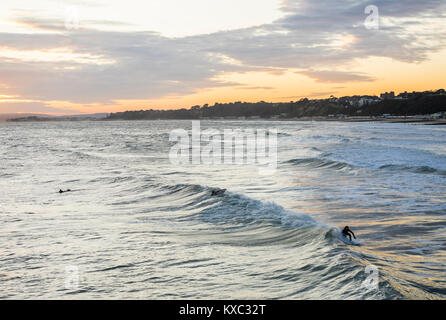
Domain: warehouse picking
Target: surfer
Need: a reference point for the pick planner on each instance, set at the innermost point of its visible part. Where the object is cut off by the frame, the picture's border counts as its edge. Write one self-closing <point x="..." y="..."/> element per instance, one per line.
<point x="346" y="233"/>
<point x="61" y="191"/>
<point x="218" y="192"/>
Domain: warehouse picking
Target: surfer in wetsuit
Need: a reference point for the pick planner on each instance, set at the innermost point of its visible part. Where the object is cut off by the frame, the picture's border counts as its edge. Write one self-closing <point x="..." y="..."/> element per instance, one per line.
<point x="61" y="191"/>
<point x="218" y="192"/>
<point x="346" y="233"/>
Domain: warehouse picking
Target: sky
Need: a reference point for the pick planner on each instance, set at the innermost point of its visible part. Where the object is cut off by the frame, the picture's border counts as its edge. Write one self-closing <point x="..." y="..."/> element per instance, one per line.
<point x="70" y="57"/>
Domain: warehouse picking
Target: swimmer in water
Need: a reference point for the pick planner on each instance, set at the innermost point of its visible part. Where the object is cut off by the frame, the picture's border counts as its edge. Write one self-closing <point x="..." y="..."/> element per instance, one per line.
<point x="218" y="192"/>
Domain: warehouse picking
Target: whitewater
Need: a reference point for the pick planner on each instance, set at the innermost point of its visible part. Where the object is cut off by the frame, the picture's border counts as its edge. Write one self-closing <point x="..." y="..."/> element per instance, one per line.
<point x="136" y="226"/>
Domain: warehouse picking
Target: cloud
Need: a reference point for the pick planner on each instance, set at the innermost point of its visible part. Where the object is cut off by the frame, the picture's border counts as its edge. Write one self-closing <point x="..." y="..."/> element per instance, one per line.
<point x="31" y="107"/>
<point x="310" y="95"/>
<point x="313" y="35"/>
<point x="336" y="76"/>
<point x="146" y="66"/>
<point x="255" y="88"/>
<point x="308" y="35"/>
<point x="60" y="25"/>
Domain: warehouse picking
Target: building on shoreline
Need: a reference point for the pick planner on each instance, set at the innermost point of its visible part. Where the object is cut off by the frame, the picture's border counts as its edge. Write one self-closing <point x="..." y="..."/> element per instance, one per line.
<point x="388" y="95"/>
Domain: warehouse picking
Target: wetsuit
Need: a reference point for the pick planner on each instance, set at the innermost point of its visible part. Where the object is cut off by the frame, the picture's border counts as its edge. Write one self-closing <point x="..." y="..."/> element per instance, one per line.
<point x="346" y="232"/>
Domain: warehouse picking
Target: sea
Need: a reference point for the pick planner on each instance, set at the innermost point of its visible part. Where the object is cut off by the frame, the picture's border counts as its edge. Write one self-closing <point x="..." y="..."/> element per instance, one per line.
<point x="137" y="225"/>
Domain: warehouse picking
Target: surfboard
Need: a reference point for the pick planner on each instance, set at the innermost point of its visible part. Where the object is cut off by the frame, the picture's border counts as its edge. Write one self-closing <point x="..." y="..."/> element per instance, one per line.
<point x="346" y="240"/>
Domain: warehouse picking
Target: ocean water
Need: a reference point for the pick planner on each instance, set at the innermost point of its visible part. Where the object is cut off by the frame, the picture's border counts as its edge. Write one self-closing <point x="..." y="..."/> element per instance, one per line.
<point x="136" y="226"/>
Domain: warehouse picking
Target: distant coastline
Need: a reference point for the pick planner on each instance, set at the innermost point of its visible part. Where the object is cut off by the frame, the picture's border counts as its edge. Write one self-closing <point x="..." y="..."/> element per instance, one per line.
<point x="428" y="107"/>
<point x="423" y="119"/>
<point x="43" y="117"/>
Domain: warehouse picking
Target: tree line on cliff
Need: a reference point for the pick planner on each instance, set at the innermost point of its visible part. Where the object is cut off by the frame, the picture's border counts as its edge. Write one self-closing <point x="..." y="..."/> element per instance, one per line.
<point x="417" y="104"/>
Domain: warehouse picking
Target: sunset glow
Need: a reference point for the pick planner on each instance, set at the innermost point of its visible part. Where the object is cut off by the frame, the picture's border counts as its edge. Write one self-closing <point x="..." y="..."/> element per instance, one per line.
<point x="108" y="56"/>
